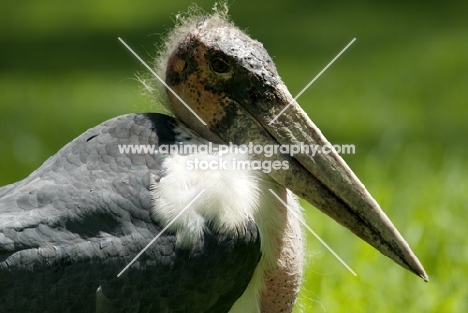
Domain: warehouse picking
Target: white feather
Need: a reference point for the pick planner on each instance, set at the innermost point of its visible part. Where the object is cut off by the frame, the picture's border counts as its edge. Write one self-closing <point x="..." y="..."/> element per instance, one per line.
<point x="230" y="197"/>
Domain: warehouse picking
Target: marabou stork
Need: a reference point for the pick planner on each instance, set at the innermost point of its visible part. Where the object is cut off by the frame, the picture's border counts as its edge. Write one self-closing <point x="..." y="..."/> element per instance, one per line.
<point x="69" y="228"/>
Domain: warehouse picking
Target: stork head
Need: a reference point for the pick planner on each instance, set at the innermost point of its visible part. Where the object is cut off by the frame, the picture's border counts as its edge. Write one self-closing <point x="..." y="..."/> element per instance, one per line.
<point x="231" y="83"/>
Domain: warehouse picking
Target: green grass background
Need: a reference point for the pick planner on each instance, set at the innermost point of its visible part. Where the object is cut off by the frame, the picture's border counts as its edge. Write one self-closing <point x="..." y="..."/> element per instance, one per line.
<point x="400" y="94"/>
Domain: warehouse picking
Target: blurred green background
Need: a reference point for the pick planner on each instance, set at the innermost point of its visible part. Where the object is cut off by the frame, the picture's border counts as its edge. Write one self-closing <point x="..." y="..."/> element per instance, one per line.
<point x="400" y="94"/>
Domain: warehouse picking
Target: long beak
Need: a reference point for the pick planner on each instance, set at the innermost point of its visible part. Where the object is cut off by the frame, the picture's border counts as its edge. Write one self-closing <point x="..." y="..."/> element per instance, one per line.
<point x="324" y="180"/>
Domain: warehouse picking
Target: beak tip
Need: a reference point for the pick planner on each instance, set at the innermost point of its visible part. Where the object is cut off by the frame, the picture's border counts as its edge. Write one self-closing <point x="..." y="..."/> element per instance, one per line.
<point x="416" y="267"/>
<point x="424" y="276"/>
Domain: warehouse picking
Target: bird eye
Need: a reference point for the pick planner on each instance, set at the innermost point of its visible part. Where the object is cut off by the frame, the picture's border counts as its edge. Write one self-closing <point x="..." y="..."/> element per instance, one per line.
<point x="220" y="65"/>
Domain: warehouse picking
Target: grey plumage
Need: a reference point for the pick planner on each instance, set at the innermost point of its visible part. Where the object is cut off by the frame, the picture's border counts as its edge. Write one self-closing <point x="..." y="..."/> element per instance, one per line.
<point x="74" y="223"/>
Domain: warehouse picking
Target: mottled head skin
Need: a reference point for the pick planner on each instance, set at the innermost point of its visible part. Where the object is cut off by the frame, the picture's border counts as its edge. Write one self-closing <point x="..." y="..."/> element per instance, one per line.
<point x="212" y="68"/>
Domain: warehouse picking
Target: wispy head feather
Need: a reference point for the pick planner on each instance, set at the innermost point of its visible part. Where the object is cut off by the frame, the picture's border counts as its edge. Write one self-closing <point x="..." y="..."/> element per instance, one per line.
<point x="185" y="23"/>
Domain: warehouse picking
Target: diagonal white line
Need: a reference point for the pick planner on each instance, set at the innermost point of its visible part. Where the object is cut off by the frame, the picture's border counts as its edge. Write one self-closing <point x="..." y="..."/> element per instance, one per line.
<point x="315" y="234"/>
<point x="162" y="81"/>
<point x="311" y="82"/>
<point x="161" y="232"/>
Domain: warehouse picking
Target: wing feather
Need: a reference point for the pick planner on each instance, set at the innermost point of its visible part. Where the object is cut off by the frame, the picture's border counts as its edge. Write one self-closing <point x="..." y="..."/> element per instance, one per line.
<point x="76" y="222"/>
